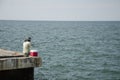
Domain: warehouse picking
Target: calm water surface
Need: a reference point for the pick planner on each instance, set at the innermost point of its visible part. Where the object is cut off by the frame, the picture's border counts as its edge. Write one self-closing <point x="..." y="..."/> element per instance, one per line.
<point x="70" y="50"/>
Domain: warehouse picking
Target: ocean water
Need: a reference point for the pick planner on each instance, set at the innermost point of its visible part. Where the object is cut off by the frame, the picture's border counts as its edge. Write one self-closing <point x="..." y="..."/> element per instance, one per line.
<point x="70" y="50"/>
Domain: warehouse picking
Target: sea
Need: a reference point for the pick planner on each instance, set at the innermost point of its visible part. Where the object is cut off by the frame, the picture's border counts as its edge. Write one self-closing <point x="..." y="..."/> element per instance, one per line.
<point x="70" y="50"/>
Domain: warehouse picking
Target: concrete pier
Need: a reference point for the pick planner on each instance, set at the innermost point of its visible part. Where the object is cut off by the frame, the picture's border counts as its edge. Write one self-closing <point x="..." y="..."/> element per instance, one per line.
<point x="13" y="66"/>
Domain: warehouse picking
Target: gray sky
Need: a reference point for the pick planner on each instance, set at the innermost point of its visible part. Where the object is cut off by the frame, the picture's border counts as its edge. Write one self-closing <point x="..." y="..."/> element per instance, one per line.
<point x="81" y="10"/>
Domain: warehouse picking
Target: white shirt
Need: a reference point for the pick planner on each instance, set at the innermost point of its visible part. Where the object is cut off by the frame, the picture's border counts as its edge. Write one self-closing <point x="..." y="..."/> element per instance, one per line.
<point x="26" y="47"/>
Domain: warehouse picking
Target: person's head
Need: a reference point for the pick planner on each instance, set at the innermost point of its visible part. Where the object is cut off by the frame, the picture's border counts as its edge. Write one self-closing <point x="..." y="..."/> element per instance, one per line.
<point x="27" y="39"/>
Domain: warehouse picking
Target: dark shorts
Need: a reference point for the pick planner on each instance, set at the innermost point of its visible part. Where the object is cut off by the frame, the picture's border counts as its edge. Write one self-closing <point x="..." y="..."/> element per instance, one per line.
<point x="26" y="54"/>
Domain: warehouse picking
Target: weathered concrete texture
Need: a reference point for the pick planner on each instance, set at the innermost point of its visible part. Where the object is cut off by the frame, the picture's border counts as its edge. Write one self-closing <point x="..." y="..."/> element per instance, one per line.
<point x="8" y="53"/>
<point x="19" y="62"/>
<point x="17" y="74"/>
<point x="13" y="66"/>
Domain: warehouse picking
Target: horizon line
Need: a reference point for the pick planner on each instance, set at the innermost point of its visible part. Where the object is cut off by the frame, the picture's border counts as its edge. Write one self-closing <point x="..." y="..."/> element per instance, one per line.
<point x="56" y="20"/>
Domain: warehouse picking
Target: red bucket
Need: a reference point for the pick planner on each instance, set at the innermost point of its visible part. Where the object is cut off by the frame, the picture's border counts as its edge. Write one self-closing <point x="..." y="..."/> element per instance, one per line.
<point x="33" y="53"/>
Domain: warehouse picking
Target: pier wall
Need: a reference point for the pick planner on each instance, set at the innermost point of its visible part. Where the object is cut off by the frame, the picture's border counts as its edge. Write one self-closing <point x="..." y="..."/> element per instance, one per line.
<point x="16" y="67"/>
<point x="17" y="74"/>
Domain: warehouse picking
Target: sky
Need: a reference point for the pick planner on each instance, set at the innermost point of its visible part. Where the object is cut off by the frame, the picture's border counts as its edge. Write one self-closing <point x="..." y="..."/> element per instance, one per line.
<point x="61" y="10"/>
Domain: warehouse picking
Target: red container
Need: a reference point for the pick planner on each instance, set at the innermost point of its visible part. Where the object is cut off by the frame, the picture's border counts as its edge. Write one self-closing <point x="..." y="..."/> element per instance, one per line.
<point x="33" y="53"/>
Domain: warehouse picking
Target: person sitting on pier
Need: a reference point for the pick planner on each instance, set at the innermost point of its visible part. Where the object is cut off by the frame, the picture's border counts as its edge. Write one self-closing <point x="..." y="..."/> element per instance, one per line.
<point x="26" y="47"/>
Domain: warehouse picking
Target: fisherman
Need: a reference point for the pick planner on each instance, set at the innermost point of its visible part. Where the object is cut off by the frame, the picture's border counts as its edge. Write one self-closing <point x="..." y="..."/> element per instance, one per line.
<point x="26" y="46"/>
